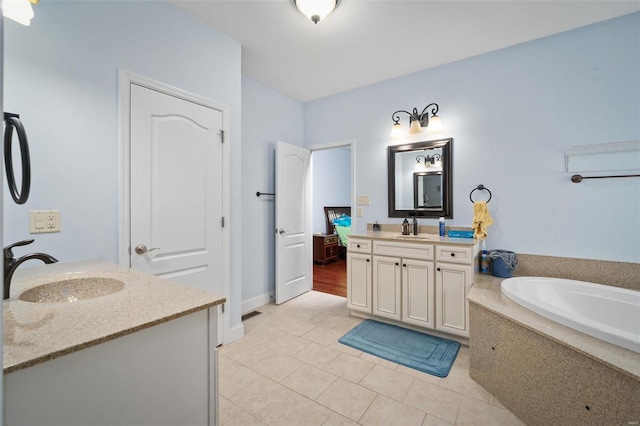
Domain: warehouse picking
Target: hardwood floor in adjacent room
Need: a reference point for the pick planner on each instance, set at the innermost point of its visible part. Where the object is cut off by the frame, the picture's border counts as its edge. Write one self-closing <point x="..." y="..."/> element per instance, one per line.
<point x="331" y="278"/>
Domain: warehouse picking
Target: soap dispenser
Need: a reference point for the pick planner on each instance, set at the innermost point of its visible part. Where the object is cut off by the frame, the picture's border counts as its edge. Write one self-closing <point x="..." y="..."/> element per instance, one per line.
<point x="415" y="226"/>
<point x="405" y="227"/>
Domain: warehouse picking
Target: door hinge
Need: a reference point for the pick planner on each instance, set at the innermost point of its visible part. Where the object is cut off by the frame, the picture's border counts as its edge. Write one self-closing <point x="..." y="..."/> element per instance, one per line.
<point x="221" y="133"/>
<point x="223" y="308"/>
<point x="223" y="221"/>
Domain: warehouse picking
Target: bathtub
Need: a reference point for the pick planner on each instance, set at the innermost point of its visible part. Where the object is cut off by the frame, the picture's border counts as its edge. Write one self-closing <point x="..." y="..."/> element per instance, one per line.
<point x="608" y="313"/>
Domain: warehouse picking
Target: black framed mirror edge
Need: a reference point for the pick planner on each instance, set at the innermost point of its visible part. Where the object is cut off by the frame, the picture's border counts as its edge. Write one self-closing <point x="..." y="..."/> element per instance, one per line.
<point x="446" y="144"/>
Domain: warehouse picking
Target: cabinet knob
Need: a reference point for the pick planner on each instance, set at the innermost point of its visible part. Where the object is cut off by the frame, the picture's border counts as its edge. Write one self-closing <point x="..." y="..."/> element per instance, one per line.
<point x="368" y="260"/>
<point x="358" y="245"/>
<point x="438" y="269"/>
<point x="404" y="265"/>
<point x="397" y="263"/>
<point x="453" y="254"/>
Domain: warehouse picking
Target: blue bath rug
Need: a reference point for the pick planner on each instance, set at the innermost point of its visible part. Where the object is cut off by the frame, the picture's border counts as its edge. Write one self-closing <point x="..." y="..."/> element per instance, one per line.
<point x="430" y="354"/>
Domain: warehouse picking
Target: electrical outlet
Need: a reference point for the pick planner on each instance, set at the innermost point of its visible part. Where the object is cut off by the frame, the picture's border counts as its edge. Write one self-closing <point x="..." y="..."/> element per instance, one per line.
<point x="44" y="221"/>
<point x="360" y="212"/>
<point x="363" y="200"/>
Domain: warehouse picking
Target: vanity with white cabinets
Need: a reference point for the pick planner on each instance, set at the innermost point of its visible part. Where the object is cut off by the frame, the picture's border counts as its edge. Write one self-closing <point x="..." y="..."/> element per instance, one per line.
<point x="414" y="281"/>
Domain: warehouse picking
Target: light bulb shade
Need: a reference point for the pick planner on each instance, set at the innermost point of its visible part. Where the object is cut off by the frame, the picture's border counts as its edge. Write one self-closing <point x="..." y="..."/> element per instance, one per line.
<point x="316" y="10"/>
<point x="415" y="127"/>
<point x="396" y="131"/>
<point x="435" y="123"/>
<point x="18" y="10"/>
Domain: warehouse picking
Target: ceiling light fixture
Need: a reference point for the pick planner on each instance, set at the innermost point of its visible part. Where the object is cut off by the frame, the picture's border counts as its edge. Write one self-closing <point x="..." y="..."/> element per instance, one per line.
<point x="417" y="121"/>
<point x="316" y="10"/>
<point x="18" y="10"/>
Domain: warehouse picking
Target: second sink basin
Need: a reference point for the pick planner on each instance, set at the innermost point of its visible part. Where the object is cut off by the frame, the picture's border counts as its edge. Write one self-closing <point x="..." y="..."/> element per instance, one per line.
<point x="72" y="290"/>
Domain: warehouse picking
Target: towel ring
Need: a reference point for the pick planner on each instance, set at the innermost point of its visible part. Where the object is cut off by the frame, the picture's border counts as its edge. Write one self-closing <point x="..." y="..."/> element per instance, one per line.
<point x="480" y="187"/>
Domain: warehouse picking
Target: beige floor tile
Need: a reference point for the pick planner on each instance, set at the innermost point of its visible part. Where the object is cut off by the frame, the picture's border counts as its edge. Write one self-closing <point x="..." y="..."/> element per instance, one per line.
<point x="349" y="367"/>
<point x="348" y="324"/>
<point x="458" y="380"/>
<point x="298" y="410"/>
<point x="347" y="399"/>
<point x="346" y="349"/>
<point x="309" y="381"/>
<point x="433" y="399"/>
<point x="227" y="410"/>
<point x="386" y="411"/>
<point x="247" y="352"/>
<point x="244" y="419"/>
<point x="378" y="360"/>
<point x="338" y="420"/>
<point x="322" y="336"/>
<point x="261" y="397"/>
<point x="261" y="335"/>
<point x="233" y="377"/>
<point x="474" y="412"/>
<point x="277" y="366"/>
<point x="297" y="328"/>
<point x="430" y="420"/>
<point x="288" y="344"/>
<point x="417" y="374"/>
<point x="387" y="382"/>
<point x="317" y="355"/>
<point x="326" y="321"/>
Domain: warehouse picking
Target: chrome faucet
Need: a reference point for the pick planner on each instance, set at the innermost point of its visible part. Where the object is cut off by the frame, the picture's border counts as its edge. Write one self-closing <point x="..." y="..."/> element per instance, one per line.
<point x="11" y="264"/>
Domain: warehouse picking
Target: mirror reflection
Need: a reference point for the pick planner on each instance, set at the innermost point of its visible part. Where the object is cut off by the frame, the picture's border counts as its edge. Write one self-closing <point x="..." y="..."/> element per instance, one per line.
<point x="419" y="178"/>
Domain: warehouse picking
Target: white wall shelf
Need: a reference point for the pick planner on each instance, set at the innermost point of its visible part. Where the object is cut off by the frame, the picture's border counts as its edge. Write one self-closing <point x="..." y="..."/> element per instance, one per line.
<point x="607" y="157"/>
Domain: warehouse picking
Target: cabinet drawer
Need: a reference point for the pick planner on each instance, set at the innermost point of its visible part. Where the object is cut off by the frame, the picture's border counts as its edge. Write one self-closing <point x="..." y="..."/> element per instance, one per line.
<point x="331" y="240"/>
<point x="455" y="254"/>
<point x="408" y="250"/>
<point x="359" y="245"/>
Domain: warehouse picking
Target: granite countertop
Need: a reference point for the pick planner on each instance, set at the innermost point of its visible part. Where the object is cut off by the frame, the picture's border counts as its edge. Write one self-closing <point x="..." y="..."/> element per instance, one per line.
<point x="38" y="332"/>
<point x="486" y="292"/>
<point x="420" y="238"/>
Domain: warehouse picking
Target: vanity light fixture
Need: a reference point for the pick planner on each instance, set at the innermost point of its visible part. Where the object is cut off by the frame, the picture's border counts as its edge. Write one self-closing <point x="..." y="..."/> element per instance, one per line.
<point x="316" y="10"/>
<point x="417" y="121"/>
<point x="424" y="161"/>
<point x="18" y="10"/>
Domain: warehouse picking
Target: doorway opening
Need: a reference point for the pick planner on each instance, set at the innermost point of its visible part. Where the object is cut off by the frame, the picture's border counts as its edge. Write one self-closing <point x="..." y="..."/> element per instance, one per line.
<point x="333" y="182"/>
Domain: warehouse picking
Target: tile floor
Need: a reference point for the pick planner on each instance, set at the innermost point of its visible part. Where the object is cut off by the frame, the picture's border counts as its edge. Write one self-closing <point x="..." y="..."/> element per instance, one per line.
<point x="290" y="369"/>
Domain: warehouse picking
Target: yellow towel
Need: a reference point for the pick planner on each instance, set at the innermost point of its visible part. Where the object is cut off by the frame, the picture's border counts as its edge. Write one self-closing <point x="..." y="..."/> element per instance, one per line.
<point x="481" y="220"/>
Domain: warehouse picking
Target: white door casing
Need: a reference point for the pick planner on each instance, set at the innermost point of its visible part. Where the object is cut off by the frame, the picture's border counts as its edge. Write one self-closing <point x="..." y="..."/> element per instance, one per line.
<point x="293" y="222"/>
<point x="174" y="191"/>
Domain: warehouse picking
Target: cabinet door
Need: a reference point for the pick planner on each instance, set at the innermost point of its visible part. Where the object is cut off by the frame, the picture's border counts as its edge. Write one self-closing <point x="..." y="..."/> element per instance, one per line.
<point x="452" y="309"/>
<point x="386" y="287"/>
<point x="359" y="282"/>
<point x="418" y="293"/>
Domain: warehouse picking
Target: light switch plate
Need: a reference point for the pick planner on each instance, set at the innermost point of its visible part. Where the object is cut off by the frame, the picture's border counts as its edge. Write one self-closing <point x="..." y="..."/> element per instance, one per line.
<point x="44" y="221"/>
<point x="360" y="212"/>
<point x="363" y="200"/>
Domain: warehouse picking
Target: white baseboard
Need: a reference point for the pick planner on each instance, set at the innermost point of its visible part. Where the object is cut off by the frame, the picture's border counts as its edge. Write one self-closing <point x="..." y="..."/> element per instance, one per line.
<point x="256" y="302"/>
<point x="235" y="333"/>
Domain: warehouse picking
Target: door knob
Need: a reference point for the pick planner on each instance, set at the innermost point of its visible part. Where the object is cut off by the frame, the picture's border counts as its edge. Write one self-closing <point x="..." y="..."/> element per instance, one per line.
<point x="282" y="231"/>
<point x="142" y="249"/>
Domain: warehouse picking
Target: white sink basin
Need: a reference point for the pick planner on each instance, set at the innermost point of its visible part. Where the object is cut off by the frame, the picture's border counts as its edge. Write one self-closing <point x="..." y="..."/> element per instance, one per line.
<point x="72" y="290"/>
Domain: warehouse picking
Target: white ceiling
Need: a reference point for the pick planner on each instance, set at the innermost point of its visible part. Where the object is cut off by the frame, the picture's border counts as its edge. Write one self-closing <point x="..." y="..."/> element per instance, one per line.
<point x="367" y="41"/>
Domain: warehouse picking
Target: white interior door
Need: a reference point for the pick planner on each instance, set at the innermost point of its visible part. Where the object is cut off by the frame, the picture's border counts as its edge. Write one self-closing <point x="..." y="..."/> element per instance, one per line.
<point x="176" y="189"/>
<point x="293" y="222"/>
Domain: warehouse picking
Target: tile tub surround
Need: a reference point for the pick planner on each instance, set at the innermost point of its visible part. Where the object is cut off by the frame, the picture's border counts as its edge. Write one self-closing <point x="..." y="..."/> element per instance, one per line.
<point x="544" y="372"/>
<point x="38" y="332"/>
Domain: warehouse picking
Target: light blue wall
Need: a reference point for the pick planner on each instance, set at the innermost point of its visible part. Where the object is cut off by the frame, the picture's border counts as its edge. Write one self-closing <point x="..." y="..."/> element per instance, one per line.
<point x="268" y="116"/>
<point x="61" y="75"/>
<point x="513" y="113"/>
<point x="331" y="183"/>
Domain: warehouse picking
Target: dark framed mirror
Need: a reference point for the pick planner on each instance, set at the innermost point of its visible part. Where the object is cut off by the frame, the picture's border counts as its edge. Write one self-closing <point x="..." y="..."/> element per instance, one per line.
<point x="420" y="177"/>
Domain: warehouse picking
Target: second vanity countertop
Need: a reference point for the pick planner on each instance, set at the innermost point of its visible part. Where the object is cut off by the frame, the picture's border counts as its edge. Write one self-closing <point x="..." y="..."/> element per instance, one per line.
<point x="420" y="238"/>
<point x="38" y="332"/>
